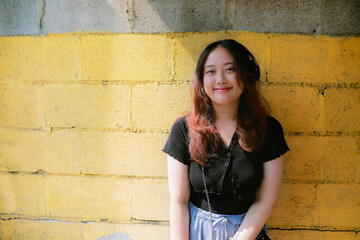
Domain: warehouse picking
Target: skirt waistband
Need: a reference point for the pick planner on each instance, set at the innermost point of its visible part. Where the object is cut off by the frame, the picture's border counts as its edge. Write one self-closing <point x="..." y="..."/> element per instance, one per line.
<point x="198" y="212"/>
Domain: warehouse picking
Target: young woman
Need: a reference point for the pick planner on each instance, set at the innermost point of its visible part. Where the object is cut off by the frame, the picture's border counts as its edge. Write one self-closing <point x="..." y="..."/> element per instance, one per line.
<point x="224" y="157"/>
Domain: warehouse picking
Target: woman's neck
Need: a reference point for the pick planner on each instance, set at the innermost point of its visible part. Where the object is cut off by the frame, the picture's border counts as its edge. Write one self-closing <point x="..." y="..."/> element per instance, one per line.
<point x="226" y="122"/>
<point x="225" y="113"/>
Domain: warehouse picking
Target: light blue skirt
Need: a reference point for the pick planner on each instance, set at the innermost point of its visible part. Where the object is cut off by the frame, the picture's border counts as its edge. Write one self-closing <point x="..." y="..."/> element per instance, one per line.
<point x="225" y="226"/>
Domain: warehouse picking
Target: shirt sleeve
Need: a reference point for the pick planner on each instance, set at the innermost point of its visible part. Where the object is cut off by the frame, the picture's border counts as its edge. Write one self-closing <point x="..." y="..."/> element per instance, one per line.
<point x="274" y="142"/>
<point x="177" y="143"/>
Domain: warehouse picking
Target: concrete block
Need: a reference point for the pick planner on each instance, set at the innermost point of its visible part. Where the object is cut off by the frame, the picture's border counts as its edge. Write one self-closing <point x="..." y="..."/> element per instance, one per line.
<point x="297" y="108"/>
<point x="49" y="58"/>
<point x="340" y="158"/>
<point x="296" y="207"/>
<point x="179" y="16"/>
<point x="151" y="199"/>
<point x="315" y="158"/>
<point x="21" y="150"/>
<point x="342" y="61"/>
<point x="189" y="47"/>
<point x="89" y="198"/>
<point x="310" y="235"/>
<point x="20" y="107"/>
<point x="341" y="17"/>
<point x="40" y="229"/>
<point x="156" y="107"/>
<point x="87" y="106"/>
<point x="19" y="17"/>
<point x="126" y="57"/>
<point x="342" y="110"/>
<point x="107" y="231"/>
<point x="31" y="151"/>
<point x="302" y="162"/>
<point x="129" y="154"/>
<point x="274" y="16"/>
<point x="62" y="152"/>
<point x="72" y="16"/>
<point x="23" y="194"/>
<point x="296" y="58"/>
<point x="338" y="206"/>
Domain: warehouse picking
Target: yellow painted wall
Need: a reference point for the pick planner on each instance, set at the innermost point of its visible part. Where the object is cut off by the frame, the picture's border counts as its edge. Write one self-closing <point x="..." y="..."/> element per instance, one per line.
<point x="83" y="119"/>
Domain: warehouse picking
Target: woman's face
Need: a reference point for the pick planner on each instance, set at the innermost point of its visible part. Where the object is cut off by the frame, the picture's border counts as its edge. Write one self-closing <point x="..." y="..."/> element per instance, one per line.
<point x="220" y="78"/>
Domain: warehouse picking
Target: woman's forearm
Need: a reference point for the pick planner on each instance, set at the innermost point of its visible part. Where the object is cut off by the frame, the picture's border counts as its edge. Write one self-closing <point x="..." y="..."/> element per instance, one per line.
<point x="179" y="220"/>
<point x="254" y="220"/>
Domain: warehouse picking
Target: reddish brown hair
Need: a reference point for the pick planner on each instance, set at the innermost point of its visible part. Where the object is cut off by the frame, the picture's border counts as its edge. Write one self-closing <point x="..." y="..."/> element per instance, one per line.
<point x="252" y="113"/>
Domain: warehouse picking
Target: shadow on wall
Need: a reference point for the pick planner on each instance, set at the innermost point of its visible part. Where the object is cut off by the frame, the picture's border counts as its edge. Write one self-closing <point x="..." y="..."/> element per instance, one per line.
<point x="312" y="17"/>
<point x="163" y="16"/>
<point x="179" y="16"/>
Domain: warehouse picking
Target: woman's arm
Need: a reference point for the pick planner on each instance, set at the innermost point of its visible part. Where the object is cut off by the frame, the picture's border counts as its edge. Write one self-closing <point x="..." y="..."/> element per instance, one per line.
<point x="261" y="209"/>
<point x="179" y="189"/>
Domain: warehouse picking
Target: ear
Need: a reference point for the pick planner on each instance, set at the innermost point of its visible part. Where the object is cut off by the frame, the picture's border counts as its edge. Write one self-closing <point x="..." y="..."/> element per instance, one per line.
<point x="194" y="78"/>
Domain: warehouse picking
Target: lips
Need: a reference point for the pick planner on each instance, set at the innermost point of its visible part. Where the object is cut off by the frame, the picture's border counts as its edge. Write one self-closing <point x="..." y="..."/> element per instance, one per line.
<point x="223" y="89"/>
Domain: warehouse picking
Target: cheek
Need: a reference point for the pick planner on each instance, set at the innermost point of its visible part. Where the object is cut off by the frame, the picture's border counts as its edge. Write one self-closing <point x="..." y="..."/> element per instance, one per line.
<point x="207" y="85"/>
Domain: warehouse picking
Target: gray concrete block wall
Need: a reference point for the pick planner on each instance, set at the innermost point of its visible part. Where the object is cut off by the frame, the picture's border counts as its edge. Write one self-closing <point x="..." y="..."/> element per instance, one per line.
<point x="179" y="16"/>
<point x="19" y="17"/>
<point x="342" y="18"/>
<point x="34" y="17"/>
<point x="295" y="16"/>
<point x="85" y="15"/>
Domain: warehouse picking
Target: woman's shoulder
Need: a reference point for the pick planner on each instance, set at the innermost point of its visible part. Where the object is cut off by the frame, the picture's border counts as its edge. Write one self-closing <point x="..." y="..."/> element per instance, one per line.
<point x="177" y="143"/>
<point x="273" y="125"/>
<point x="181" y="121"/>
<point x="274" y="144"/>
<point x="180" y="124"/>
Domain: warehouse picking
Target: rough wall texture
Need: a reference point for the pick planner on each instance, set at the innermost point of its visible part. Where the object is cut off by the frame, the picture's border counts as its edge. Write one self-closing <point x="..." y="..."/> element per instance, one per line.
<point x="331" y="17"/>
<point x="83" y="116"/>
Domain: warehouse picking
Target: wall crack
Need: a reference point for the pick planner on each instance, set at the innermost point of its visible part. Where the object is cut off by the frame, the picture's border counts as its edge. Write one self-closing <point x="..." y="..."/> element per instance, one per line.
<point x="130" y="14"/>
<point x="41" y="13"/>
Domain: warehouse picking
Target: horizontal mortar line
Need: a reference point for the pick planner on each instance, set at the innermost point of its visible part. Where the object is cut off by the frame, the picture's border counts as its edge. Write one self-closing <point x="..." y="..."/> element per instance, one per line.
<point x="147" y="221"/>
<point x="112" y="82"/>
<point x="314" y="85"/>
<point x="174" y="82"/>
<point x="321" y="229"/>
<point x="167" y="131"/>
<point x="9" y="217"/>
<point x="175" y="34"/>
<point x="179" y="82"/>
<point x="125" y="176"/>
<point x="44" y="173"/>
<point x="268" y="34"/>
<point x="132" y="177"/>
<point x="113" y="130"/>
<point x="324" y="134"/>
<point x="23" y="128"/>
<point x="323" y="182"/>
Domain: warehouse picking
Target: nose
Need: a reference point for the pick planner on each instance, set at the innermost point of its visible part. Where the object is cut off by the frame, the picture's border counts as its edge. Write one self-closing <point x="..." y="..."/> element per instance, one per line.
<point x="220" y="78"/>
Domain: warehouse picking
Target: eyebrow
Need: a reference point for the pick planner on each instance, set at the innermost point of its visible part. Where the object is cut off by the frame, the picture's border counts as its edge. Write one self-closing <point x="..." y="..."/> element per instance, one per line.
<point x="228" y="63"/>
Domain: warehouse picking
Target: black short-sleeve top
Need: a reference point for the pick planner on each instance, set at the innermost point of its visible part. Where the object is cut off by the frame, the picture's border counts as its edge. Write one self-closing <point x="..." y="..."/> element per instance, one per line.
<point x="233" y="175"/>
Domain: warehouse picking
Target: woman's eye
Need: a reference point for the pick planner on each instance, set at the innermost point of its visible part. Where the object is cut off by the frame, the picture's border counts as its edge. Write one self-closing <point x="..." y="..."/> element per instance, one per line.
<point x="229" y="69"/>
<point x="209" y="71"/>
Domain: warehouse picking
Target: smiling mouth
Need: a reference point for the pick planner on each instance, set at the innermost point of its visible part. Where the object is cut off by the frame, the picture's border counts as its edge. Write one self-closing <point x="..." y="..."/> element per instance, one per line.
<point x="223" y="89"/>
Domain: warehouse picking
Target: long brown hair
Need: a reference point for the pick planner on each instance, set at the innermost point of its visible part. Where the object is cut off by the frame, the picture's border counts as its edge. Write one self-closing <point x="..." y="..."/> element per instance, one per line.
<point x="252" y="113"/>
